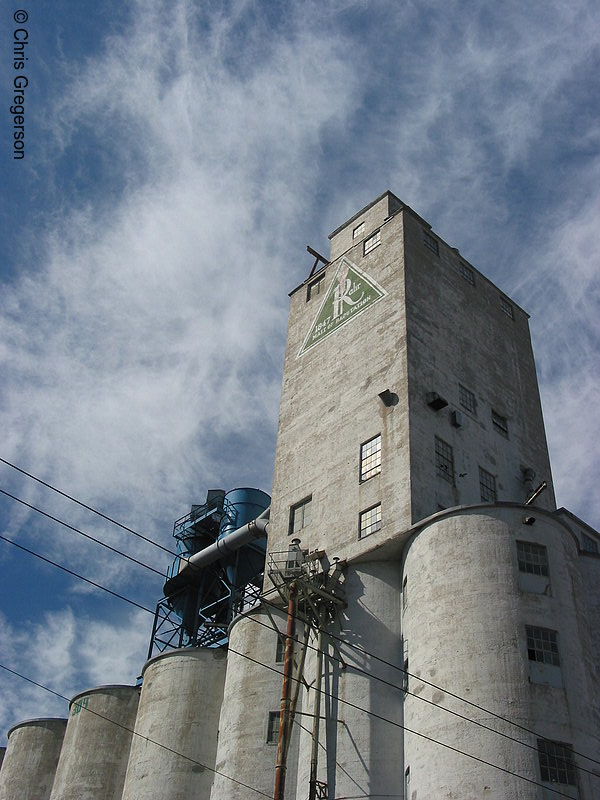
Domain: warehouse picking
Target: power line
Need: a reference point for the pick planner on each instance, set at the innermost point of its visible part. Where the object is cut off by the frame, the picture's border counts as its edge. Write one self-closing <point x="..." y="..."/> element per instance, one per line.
<point x="135" y="733"/>
<point x="439" y="688"/>
<point x="328" y="695"/>
<point x="76" y="575"/>
<point x="331" y="635"/>
<point x="88" y="508"/>
<point x="81" y="533"/>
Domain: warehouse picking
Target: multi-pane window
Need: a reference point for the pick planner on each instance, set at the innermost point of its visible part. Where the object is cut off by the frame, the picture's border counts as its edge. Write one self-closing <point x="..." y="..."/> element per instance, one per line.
<point x="358" y="231"/>
<point x="280" y="649"/>
<point x="467" y="274"/>
<point x="542" y="645"/>
<point x="487" y="486"/>
<point x="500" y="424"/>
<point x="507" y="308"/>
<point x="315" y="288"/>
<point x="370" y="458"/>
<point x="372" y="242"/>
<point x="300" y="515"/>
<point x="444" y="460"/>
<point x="556" y="762"/>
<point x="369" y="521"/>
<point x="588" y="544"/>
<point x="273" y="727"/>
<point x="533" y="558"/>
<point x="466" y="398"/>
<point x="431" y="242"/>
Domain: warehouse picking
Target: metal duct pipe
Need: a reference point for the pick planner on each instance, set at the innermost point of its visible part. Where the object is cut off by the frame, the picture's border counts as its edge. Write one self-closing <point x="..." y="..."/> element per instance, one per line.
<point x="254" y="529"/>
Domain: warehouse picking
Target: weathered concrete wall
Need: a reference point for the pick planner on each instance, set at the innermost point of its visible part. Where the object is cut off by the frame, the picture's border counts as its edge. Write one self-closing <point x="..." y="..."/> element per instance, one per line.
<point x="464" y="628"/>
<point x="172" y="755"/>
<point x="95" y="750"/>
<point x="361" y="752"/>
<point x="31" y="757"/>
<point x="459" y="334"/>
<point x="252" y="691"/>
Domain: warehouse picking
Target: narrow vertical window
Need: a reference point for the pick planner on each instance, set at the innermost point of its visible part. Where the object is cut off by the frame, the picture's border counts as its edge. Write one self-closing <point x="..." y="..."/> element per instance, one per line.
<point x="280" y="649"/>
<point x="500" y="424"/>
<point x="315" y="288"/>
<point x="358" y="231"/>
<point x="369" y="521"/>
<point x="507" y="308"/>
<point x="487" y="486"/>
<point x="431" y="243"/>
<point x="467" y="274"/>
<point x="466" y="398"/>
<point x="444" y="460"/>
<point x="370" y="458"/>
<point x="273" y="727"/>
<point x="300" y="515"/>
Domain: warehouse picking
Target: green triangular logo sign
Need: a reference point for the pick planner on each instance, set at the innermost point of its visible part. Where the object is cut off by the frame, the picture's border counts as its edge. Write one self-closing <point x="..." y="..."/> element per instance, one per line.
<point x="351" y="292"/>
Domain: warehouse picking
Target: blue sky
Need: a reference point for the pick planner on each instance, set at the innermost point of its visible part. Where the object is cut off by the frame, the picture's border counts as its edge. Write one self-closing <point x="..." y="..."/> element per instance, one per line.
<point x="179" y="157"/>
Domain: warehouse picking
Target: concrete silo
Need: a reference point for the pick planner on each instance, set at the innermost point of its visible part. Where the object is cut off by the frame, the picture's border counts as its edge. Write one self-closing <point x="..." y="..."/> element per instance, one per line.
<point x="31" y="758"/>
<point x="96" y="746"/>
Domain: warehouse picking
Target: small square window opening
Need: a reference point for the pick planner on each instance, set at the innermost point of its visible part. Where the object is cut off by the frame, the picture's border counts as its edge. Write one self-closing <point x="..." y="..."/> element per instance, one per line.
<point x="280" y="649"/>
<point x="487" y="486"/>
<point x="533" y="558"/>
<point x="300" y="515"/>
<point x="467" y="274"/>
<point x="467" y="399"/>
<point x="542" y="645"/>
<point x="507" y="308"/>
<point x="358" y="231"/>
<point x="556" y="762"/>
<point x="372" y="242"/>
<point x="500" y="424"/>
<point x="370" y="458"/>
<point x="431" y="242"/>
<point x="369" y="521"/>
<point x="444" y="460"/>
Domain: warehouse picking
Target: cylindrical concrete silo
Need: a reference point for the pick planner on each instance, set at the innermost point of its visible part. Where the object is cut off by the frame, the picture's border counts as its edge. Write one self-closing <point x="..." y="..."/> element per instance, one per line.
<point x="95" y="751"/>
<point x="173" y="752"/>
<point x="250" y="712"/>
<point x="31" y="757"/>
<point x="359" y="754"/>
<point x="468" y="608"/>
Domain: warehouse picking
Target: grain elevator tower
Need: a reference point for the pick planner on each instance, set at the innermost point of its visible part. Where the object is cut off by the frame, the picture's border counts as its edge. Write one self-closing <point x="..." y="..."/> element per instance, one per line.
<point x="411" y="457"/>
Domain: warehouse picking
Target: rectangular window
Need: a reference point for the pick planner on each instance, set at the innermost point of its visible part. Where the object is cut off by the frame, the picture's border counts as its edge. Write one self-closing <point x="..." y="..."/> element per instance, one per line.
<point x="507" y="308"/>
<point x="431" y="242"/>
<point x="405" y="676"/>
<point x="542" y="645"/>
<point x="533" y="558"/>
<point x="300" y="515"/>
<point x="369" y="521"/>
<point x="500" y="424"/>
<point x="466" y="398"/>
<point x="588" y="545"/>
<point x="280" y="649"/>
<point x="487" y="486"/>
<point x="315" y="288"/>
<point x="556" y="762"/>
<point x="273" y="727"/>
<point x="358" y="231"/>
<point x="370" y="458"/>
<point x="372" y="242"/>
<point x="467" y="274"/>
<point x="444" y="460"/>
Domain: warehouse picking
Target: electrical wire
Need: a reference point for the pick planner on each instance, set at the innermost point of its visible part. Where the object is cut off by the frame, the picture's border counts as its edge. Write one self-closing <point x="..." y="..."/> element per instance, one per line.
<point x="135" y="733"/>
<point x="82" y="533"/>
<point x="331" y="635"/>
<point x="438" y="688"/>
<point x="88" y="508"/>
<point x="76" y="575"/>
<point x="325" y="693"/>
